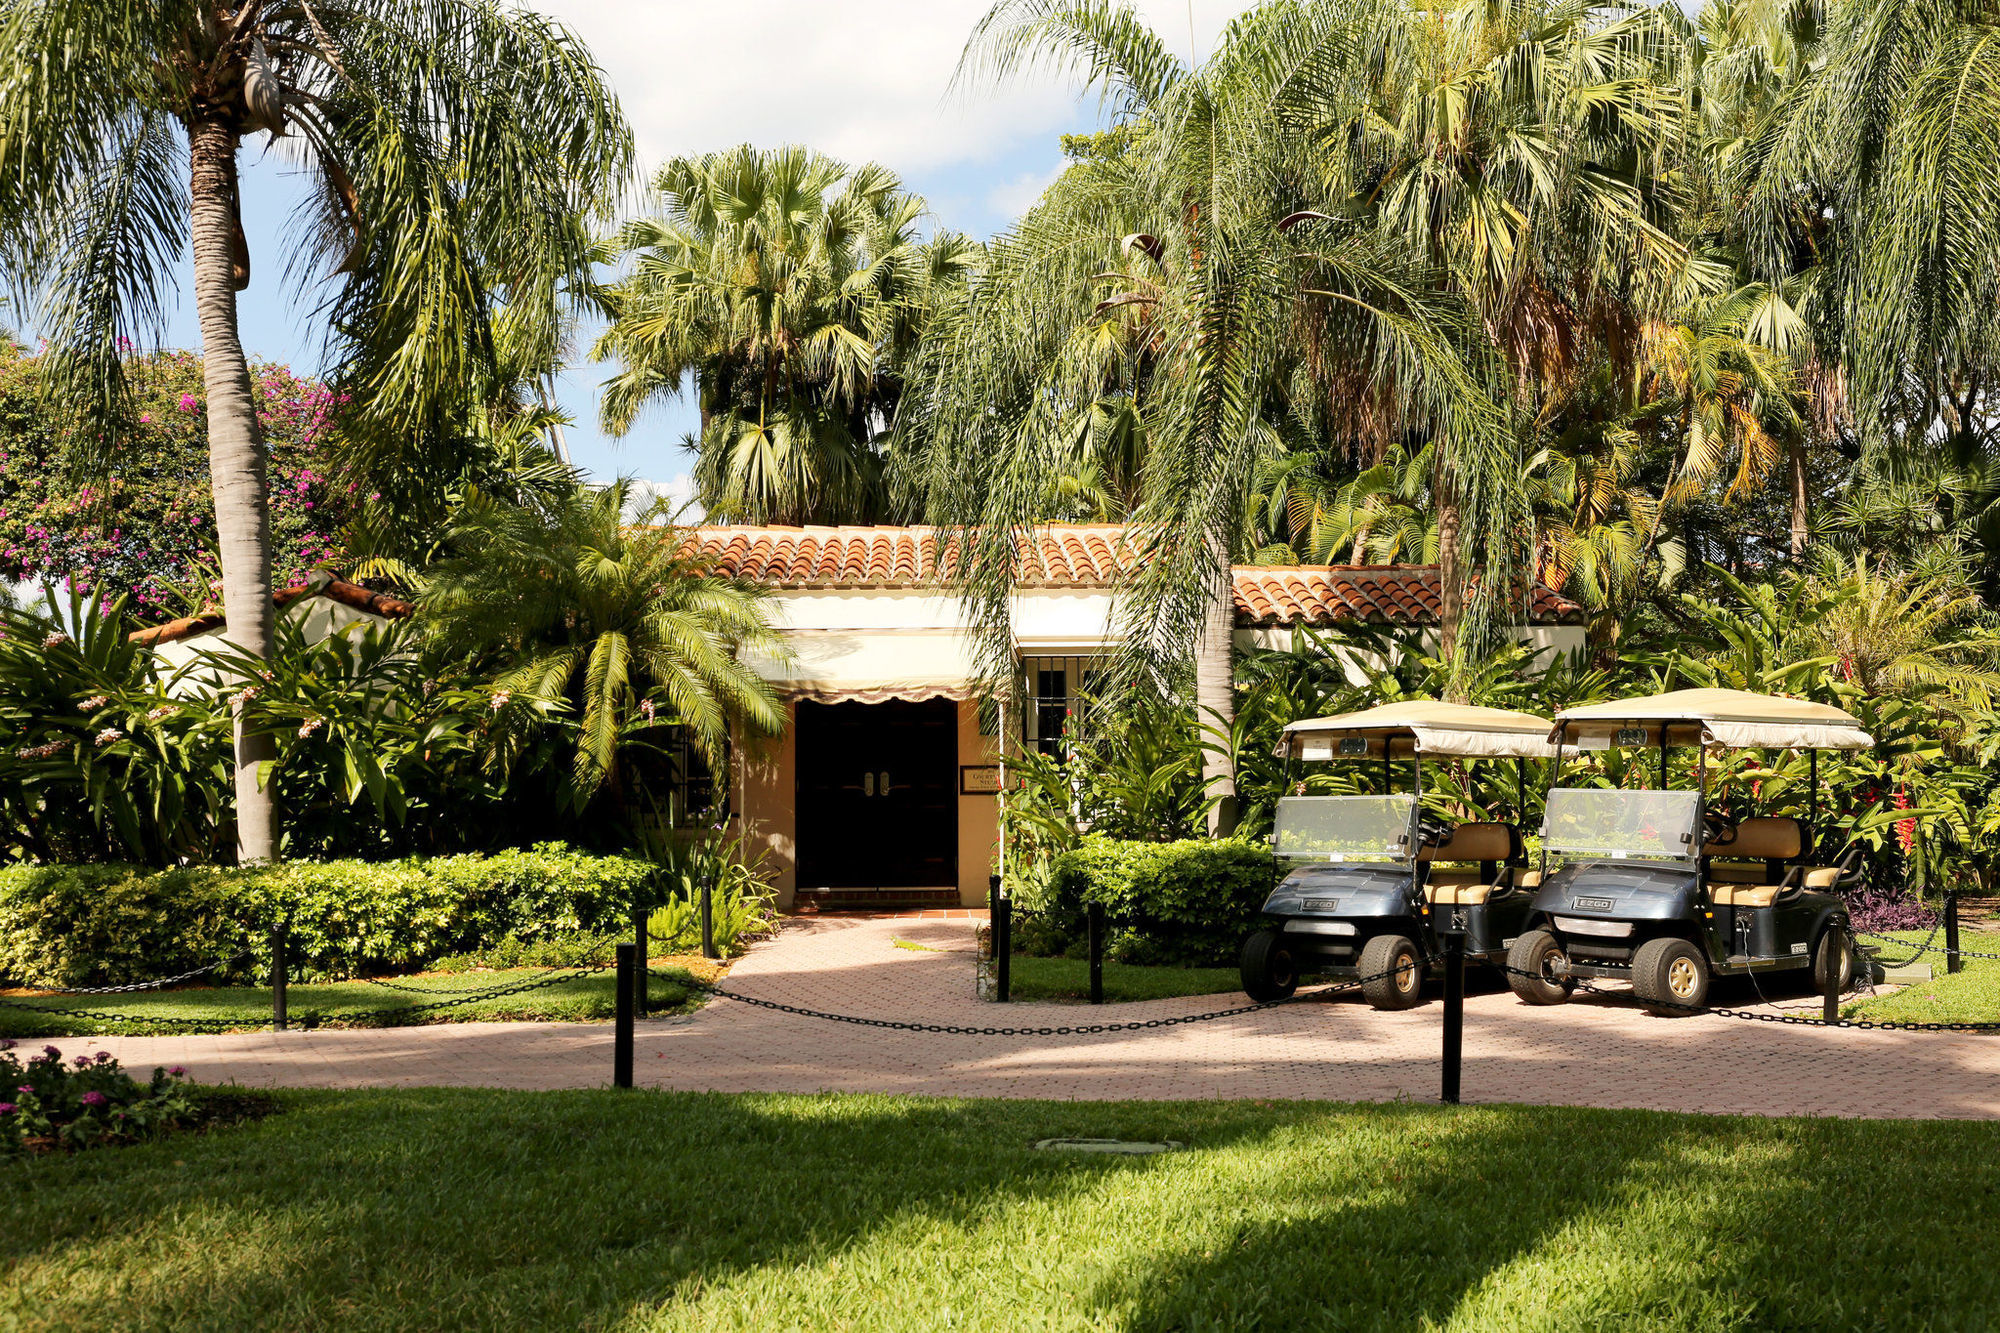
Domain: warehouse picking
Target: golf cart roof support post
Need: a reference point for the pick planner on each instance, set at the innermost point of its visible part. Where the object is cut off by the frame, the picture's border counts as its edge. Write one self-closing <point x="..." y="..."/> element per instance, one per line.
<point x="1388" y="772"/>
<point x="1812" y="792"/>
<point x="1663" y="756"/>
<point x="1520" y="791"/>
<point x="1701" y="799"/>
<point x="1555" y="776"/>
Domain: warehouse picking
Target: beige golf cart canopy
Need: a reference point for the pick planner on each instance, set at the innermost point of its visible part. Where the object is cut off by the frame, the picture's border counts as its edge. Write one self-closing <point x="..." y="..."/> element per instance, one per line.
<point x="1420" y="726"/>
<point x="1735" y="718"/>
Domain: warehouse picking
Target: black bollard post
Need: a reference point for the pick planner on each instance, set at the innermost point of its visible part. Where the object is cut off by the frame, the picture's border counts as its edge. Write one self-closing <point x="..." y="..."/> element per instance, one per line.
<point x="1952" y="962"/>
<point x="621" y="1036"/>
<point x="708" y="918"/>
<point x="1829" y="1008"/>
<point x="1454" y="1013"/>
<point x="1093" y="920"/>
<point x="1003" y="948"/>
<point x="279" y="969"/>
<point x="641" y="940"/>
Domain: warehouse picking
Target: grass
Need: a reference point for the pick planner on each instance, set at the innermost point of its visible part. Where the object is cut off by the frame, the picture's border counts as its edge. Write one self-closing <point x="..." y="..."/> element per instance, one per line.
<point x="343" y="1004"/>
<point x="468" y="1209"/>
<point x="1972" y="996"/>
<point x="1069" y="979"/>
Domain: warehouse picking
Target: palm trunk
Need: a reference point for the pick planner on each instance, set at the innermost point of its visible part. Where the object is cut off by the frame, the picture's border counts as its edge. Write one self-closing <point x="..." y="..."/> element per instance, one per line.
<point x="235" y="466"/>
<point x="1215" y="693"/>
<point x="1795" y="467"/>
<point x="1451" y="590"/>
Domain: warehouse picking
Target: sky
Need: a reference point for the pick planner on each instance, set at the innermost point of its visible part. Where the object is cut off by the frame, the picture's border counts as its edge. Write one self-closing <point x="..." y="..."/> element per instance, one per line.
<point x="867" y="80"/>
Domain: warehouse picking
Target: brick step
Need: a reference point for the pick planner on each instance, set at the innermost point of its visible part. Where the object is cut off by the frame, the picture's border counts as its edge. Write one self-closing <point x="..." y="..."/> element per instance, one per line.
<point x="871" y="900"/>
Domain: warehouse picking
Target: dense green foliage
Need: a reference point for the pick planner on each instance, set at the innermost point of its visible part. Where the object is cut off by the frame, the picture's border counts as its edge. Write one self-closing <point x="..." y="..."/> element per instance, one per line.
<point x="1187" y="902"/>
<point x="887" y="1212"/>
<point x="109" y="924"/>
<point x="87" y="1102"/>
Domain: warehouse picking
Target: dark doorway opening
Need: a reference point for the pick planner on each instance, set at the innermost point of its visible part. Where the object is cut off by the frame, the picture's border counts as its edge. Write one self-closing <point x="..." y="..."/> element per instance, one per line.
<point x="878" y="795"/>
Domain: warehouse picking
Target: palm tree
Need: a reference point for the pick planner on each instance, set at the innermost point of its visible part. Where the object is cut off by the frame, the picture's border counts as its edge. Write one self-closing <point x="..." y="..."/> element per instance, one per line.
<point x="1159" y="275"/>
<point x="458" y="149"/>
<point x="608" y="617"/>
<point x="792" y="288"/>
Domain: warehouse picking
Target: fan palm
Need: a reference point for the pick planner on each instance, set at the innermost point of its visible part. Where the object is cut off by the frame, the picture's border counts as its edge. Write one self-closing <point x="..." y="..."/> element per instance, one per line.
<point x="792" y="288"/>
<point x="610" y="617"/>
<point x="457" y="148"/>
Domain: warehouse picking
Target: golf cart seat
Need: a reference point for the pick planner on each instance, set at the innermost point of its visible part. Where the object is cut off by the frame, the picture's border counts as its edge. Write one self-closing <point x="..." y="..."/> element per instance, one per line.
<point x="1488" y="844"/>
<point x="1747" y="866"/>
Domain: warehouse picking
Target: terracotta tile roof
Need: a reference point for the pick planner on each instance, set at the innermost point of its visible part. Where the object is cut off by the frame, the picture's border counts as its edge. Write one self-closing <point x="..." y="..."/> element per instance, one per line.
<point x="335" y="590"/>
<point x="1087" y="555"/>
<point x="1075" y="555"/>
<point x="1372" y="594"/>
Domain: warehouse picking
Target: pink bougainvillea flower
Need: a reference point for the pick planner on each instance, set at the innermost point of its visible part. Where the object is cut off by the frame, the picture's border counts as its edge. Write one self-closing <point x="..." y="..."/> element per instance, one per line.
<point x="189" y="404"/>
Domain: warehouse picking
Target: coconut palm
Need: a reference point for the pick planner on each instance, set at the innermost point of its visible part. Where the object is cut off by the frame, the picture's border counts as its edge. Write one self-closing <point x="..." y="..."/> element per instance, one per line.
<point x="457" y="149"/>
<point x="1160" y="274"/>
<point x="609" y="617"/>
<point x="791" y="287"/>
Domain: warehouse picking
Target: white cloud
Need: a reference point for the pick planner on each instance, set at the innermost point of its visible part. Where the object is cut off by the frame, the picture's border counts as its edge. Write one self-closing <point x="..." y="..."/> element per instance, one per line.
<point x="1011" y="198"/>
<point x="677" y="493"/>
<point x="860" y="81"/>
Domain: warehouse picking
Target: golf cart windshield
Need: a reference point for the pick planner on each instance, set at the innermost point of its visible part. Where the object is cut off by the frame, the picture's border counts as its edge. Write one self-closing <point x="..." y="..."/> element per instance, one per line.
<point x="1346" y="828"/>
<point x="1621" y="823"/>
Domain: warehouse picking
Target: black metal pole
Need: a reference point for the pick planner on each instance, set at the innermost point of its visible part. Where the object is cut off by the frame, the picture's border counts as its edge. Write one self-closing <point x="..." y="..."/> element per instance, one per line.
<point x="1093" y="918"/>
<point x="621" y="1036"/>
<point x="641" y="927"/>
<point x="1003" y="948"/>
<point x="1952" y="962"/>
<point x="279" y="978"/>
<point x="708" y="918"/>
<point x="1454" y="1013"/>
<point x="1830" y="984"/>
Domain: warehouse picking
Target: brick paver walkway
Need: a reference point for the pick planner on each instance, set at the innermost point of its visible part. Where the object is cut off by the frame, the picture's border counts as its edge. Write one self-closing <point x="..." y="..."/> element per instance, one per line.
<point x="1591" y="1053"/>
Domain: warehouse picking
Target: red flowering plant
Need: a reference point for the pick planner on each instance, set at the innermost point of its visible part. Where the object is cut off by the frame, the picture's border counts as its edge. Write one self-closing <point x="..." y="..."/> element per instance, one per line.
<point x="88" y="1100"/>
<point x="144" y="522"/>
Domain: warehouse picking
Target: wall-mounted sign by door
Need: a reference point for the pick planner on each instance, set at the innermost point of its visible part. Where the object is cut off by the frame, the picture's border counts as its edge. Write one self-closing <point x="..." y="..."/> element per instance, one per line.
<point x="978" y="779"/>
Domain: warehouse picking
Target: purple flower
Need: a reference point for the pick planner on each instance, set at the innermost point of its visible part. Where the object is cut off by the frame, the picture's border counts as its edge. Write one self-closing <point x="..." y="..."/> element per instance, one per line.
<point x="188" y="403"/>
<point x="94" y="1098"/>
<point x="7" y="1044"/>
<point x="104" y="1057"/>
<point x="8" y="1108"/>
<point x="27" y="1089"/>
<point x="178" y="1071"/>
<point x="82" y="1062"/>
<point x="52" y="1052"/>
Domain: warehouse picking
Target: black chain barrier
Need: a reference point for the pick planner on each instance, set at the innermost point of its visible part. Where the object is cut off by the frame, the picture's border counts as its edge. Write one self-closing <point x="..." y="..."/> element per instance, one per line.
<point x="1751" y="1015"/>
<point x="1083" y="1030"/>
<point x="1924" y="948"/>
<point x="152" y="985"/>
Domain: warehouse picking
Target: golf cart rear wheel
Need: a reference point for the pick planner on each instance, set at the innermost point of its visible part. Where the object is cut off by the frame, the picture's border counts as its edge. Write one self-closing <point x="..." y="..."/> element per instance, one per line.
<point x="1270" y="968"/>
<point x="1670" y="976"/>
<point x="1528" y="974"/>
<point x="1832" y="958"/>
<point x="1403" y="985"/>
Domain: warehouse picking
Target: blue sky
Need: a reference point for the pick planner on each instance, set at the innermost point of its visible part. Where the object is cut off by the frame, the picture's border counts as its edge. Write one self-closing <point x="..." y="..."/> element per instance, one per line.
<point x="865" y="80"/>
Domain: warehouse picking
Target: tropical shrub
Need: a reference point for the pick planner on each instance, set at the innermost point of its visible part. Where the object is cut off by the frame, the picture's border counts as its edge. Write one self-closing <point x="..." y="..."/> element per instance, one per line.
<point x="87" y="1102"/>
<point x="66" y="926"/>
<point x="1188" y="903"/>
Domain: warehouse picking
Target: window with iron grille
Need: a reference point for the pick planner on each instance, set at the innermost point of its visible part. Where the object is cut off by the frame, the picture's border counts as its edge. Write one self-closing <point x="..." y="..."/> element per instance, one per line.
<point x="1057" y="691"/>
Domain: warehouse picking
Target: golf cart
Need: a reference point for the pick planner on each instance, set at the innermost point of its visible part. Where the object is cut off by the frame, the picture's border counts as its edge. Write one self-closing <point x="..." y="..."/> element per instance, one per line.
<point x="1368" y="875"/>
<point x="1656" y="887"/>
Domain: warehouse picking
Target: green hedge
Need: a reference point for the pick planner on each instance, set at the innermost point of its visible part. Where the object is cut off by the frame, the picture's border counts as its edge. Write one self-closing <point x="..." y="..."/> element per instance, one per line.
<point x="1191" y="902"/>
<point x="105" y="925"/>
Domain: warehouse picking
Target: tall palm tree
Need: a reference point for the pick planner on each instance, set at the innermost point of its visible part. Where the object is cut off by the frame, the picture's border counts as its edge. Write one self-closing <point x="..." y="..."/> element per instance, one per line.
<point x="609" y="616"/>
<point x="458" y="149"/>
<point x="1163" y="274"/>
<point x="792" y="288"/>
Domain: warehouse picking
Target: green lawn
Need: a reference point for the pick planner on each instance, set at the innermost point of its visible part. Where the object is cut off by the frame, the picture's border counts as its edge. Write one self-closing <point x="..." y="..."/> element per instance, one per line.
<point x="1973" y="996"/>
<point x="342" y="1004"/>
<point x="1069" y="979"/>
<point x="458" y="1209"/>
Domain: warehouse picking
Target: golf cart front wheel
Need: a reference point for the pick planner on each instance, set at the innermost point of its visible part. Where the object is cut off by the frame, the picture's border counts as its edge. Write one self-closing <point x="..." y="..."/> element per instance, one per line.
<point x="1833" y="959"/>
<point x="1270" y="968"/>
<point x="1393" y="972"/>
<point x="1670" y="977"/>
<point x="1529" y="969"/>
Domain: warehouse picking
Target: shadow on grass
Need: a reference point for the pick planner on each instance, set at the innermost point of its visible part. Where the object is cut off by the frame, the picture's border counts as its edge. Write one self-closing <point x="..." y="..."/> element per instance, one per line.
<point x="463" y="1209"/>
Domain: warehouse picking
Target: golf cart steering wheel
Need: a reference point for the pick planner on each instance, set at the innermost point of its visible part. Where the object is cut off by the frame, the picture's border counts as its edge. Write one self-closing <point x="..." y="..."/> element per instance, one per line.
<point x="1433" y="831"/>
<point x="1717" y="828"/>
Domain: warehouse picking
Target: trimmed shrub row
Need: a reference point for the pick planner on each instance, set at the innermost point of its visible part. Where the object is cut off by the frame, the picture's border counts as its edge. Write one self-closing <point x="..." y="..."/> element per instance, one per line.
<point x="107" y="925"/>
<point x="1191" y="903"/>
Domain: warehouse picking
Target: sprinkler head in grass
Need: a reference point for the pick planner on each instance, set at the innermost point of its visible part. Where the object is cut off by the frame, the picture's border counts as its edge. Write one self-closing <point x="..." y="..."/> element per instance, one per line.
<point x="1110" y="1147"/>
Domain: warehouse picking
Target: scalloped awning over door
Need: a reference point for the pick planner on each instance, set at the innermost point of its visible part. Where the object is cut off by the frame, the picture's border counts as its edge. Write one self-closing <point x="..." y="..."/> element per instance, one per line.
<point x="871" y="666"/>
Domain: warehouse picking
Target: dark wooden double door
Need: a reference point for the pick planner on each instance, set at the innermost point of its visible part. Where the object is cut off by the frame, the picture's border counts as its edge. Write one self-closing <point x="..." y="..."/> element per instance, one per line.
<point x="878" y="794"/>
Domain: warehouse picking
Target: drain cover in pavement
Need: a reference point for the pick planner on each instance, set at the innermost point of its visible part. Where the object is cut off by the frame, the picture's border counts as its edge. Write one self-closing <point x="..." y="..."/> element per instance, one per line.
<point x="1120" y="1147"/>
